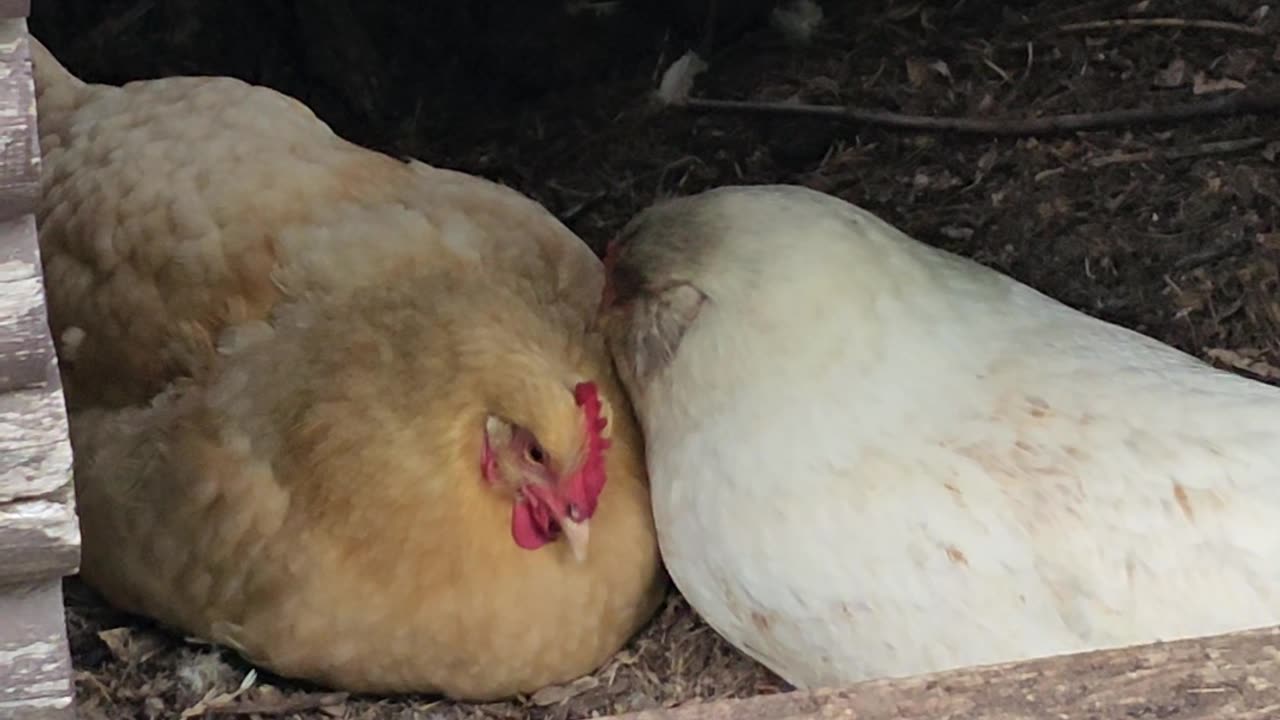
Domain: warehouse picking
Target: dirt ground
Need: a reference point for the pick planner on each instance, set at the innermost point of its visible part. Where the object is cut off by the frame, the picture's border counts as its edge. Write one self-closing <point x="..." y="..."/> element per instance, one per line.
<point x="1163" y="229"/>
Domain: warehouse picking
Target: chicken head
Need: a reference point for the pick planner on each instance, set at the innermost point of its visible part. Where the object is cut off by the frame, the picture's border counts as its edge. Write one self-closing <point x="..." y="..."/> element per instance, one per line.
<point x="650" y="299"/>
<point x="555" y="489"/>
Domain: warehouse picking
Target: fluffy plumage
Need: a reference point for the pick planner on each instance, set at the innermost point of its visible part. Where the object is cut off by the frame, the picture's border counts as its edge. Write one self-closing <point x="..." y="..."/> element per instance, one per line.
<point x="316" y="392"/>
<point x="870" y="457"/>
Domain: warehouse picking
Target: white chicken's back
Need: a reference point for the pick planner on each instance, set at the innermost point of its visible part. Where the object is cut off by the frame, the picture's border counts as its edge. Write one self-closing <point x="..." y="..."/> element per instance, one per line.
<point x="871" y="458"/>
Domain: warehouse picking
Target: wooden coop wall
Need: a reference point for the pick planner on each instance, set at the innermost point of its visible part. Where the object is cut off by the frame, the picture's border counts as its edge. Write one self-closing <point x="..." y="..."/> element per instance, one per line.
<point x="39" y="535"/>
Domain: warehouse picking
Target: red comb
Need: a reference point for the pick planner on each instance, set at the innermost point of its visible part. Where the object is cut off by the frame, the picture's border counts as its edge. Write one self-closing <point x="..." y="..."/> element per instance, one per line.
<point x="590" y="478"/>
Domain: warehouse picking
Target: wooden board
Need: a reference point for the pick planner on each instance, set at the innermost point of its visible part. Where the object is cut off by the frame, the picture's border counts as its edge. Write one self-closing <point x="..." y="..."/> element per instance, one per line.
<point x="35" y="667"/>
<point x="26" y="353"/>
<point x="39" y="537"/>
<point x="1224" y="677"/>
<point x="20" y="151"/>
<point x="39" y="533"/>
<point x="10" y="9"/>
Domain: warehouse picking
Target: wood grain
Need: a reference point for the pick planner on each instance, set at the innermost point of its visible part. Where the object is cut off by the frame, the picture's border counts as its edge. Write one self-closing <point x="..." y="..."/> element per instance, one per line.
<point x="39" y="539"/>
<point x="39" y="533"/>
<point x="15" y="8"/>
<point x="1236" y="676"/>
<point x="27" y="357"/>
<point x="35" y="452"/>
<point x="35" y="667"/>
<point x="19" y="141"/>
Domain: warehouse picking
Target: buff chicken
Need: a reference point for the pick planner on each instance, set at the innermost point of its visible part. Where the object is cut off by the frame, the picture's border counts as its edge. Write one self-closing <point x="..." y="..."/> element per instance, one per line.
<point x="344" y="414"/>
<point x="872" y="458"/>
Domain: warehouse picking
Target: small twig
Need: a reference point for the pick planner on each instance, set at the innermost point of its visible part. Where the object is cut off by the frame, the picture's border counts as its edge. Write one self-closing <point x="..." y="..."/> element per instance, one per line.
<point x="1086" y="8"/>
<point x="117" y="25"/>
<point x="1219" y="147"/>
<point x="1257" y="368"/>
<point x="1207" y="256"/>
<point x="1245" y="101"/>
<point x="572" y="212"/>
<point x="282" y="706"/>
<point x="1180" y="23"/>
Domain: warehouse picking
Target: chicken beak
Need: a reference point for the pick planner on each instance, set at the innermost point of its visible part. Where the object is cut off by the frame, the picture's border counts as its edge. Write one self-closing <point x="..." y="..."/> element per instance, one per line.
<point x="576" y="534"/>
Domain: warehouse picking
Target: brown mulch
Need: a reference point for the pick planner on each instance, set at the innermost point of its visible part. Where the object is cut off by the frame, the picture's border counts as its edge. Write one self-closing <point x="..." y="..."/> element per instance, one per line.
<point x="1172" y="230"/>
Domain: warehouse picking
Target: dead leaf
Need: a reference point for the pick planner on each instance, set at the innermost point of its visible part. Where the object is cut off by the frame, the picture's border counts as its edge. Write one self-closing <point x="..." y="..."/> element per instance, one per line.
<point x="128" y="647"/>
<point x="825" y="84"/>
<point x="917" y="72"/>
<point x="988" y="160"/>
<point x="1241" y="361"/>
<point x="556" y="694"/>
<point x="1239" y="63"/>
<point x="214" y="700"/>
<point x="1173" y="75"/>
<point x="1203" y="85"/>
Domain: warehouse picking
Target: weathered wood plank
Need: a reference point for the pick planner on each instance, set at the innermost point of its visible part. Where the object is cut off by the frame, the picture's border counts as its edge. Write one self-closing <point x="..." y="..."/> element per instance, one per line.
<point x="35" y="666"/>
<point x="39" y="534"/>
<point x="39" y="531"/>
<point x="15" y="8"/>
<point x="35" y="451"/>
<point x="1225" y="676"/>
<point x="19" y="142"/>
<point x="39" y="538"/>
<point x="27" y="357"/>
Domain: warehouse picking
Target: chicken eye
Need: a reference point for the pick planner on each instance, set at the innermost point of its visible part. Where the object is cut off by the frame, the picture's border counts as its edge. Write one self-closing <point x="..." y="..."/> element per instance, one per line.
<point x="535" y="454"/>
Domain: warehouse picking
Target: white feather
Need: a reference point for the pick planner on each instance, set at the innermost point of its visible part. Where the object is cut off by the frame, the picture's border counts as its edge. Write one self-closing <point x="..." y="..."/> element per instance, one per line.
<point x="677" y="81"/>
<point x="872" y="458"/>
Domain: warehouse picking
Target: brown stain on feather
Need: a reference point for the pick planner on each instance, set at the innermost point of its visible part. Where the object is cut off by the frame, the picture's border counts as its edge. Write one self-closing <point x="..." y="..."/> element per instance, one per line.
<point x="955" y="493"/>
<point x="1039" y="406"/>
<point x="1184" y="502"/>
<point x="956" y="555"/>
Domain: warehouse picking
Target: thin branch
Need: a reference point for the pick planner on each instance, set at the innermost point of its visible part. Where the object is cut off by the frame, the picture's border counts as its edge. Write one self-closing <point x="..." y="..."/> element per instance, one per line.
<point x="1238" y="103"/>
<point x="572" y="212"/>
<point x="1179" y="23"/>
<point x="115" y="26"/>
<point x="1221" y="147"/>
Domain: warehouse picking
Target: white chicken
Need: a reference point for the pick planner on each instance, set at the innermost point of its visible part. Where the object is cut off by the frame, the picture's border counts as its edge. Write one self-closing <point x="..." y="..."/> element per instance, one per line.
<point x="870" y="457"/>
